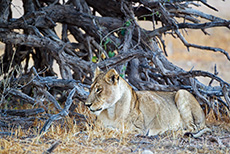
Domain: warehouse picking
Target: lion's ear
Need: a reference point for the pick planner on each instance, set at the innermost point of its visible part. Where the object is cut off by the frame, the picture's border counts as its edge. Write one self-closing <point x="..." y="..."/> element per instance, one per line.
<point x="97" y="72"/>
<point x="112" y="77"/>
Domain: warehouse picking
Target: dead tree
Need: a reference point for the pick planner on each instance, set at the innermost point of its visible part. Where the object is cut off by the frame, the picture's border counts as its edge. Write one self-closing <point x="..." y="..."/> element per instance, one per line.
<point x="106" y="35"/>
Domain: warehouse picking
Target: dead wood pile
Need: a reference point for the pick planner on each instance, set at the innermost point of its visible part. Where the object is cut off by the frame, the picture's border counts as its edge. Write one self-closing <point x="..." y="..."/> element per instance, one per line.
<point x="106" y="35"/>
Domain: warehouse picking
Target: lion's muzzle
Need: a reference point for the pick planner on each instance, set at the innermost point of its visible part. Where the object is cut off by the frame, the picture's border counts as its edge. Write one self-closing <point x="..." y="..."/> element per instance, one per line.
<point x="89" y="105"/>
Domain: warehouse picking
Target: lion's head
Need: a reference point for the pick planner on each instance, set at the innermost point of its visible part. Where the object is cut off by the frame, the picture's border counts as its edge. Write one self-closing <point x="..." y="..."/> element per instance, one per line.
<point x="105" y="91"/>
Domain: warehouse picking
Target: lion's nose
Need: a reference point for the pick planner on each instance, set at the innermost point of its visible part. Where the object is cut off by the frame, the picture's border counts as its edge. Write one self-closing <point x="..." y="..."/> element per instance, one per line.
<point x="88" y="104"/>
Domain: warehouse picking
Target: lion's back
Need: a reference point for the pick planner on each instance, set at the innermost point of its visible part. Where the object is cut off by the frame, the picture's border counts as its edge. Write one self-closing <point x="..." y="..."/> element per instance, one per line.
<point x="159" y="110"/>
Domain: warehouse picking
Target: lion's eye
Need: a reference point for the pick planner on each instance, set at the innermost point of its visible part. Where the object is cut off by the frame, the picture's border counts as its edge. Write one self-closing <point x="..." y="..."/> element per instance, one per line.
<point x="98" y="90"/>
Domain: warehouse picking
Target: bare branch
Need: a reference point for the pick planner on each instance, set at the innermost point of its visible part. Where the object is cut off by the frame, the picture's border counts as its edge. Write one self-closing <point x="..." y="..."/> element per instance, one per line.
<point x="193" y="26"/>
<point x="64" y="112"/>
<point x="106" y="35"/>
<point x="19" y="94"/>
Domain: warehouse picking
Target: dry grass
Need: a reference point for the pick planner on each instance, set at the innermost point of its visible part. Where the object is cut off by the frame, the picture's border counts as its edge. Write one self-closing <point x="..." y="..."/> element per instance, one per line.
<point x="73" y="138"/>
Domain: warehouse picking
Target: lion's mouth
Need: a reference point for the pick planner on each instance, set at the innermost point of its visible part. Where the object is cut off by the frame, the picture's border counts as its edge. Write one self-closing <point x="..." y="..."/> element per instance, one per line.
<point x="96" y="110"/>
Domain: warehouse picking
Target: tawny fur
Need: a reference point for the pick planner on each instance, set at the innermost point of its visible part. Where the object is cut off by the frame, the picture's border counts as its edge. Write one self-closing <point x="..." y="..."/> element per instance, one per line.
<point x="115" y="103"/>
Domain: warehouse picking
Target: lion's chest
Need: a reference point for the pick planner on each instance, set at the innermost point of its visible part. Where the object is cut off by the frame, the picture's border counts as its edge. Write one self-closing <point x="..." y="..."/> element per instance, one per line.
<point x="118" y="113"/>
<point x="113" y="116"/>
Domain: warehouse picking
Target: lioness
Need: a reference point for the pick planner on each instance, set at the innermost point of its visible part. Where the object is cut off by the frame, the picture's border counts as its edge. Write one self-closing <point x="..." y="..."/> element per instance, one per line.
<point x="115" y="102"/>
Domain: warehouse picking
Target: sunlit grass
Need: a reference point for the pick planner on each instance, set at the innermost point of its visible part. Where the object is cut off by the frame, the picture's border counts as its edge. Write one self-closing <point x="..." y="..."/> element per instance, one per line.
<point x="73" y="138"/>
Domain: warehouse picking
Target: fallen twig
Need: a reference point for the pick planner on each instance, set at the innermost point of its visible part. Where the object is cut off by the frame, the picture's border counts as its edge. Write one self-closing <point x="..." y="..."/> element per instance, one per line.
<point x="22" y="113"/>
<point x="52" y="147"/>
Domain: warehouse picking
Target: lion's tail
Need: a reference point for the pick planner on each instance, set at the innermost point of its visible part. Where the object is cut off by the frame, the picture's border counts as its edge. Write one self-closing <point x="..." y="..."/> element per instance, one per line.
<point x="199" y="133"/>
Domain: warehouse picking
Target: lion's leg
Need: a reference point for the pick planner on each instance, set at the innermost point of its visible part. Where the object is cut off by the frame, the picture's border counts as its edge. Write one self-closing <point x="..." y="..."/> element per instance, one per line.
<point x="190" y="110"/>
